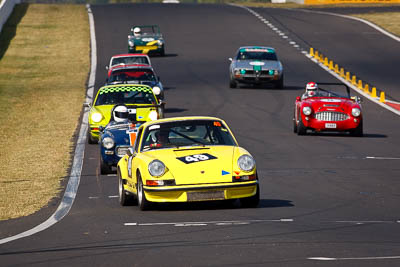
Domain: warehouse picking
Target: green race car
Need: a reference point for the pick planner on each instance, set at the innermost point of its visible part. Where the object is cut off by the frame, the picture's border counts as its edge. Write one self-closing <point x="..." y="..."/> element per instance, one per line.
<point x="139" y="98"/>
<point x="146" y="39"/>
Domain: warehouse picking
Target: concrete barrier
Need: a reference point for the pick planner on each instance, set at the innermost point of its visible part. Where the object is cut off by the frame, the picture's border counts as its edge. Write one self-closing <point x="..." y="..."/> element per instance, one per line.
<point x="6" y="8"/>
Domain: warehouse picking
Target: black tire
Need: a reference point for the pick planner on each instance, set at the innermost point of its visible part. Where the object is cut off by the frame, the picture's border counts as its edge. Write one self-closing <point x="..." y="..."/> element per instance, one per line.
<point x="279" y="83"/>
<point x="143" y="203"/>
<point x="251" y="202"/>
<point x="162" y="53"/>
<point x="358" y="132"/>
<point x="91" y="141"/>
<point x="124" y="198"/>
<point x="301" y="129"/>
<point x="104" y="168"/>
<point x="294" y="125"/>
<point x="232" y="84"/>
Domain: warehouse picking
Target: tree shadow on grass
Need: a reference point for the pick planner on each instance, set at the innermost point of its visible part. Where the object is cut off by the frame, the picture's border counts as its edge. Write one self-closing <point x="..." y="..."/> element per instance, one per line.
<point x="10" y="27"/>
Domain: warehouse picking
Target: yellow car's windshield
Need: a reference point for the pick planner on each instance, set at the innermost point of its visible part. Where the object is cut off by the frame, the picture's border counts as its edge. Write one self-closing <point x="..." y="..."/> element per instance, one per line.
<point x="186" y="133"/>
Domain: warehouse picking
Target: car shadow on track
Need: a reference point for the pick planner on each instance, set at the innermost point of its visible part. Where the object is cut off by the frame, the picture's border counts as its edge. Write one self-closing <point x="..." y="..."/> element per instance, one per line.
<point x="217" y="205"/>
<point x="174" y="110"/>
<point x="334" y="134"/>
<point x="269" y="87"/>
<point x="166" y="55"/>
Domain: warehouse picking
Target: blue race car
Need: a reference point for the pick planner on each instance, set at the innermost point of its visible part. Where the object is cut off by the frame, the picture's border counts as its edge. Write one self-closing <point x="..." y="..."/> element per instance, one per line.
<point x="118" y="135"/>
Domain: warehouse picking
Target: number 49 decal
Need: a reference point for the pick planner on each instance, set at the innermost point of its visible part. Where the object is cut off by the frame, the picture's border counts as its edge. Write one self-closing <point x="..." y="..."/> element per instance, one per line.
<point x="196" y="158"/>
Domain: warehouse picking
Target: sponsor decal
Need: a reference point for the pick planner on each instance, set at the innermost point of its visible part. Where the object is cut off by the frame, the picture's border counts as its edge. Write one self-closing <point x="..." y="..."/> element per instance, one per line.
<point x="152" y="127"/>
<point x="225" y="172"/>
<point x="257" y="63"/>
<point x="147" y="39"/>
<point x="196" y="158"/>
<point x="331" y="100"/>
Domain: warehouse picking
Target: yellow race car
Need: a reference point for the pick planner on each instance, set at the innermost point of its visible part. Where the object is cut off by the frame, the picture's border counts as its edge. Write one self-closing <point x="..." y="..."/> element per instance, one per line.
<point x="186" y="159"/>
<point x="143" y="106"/>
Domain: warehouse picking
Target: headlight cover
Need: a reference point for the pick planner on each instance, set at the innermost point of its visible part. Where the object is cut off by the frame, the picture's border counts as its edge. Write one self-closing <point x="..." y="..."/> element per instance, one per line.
<point x="355" y="112"/>
<point x="246" y="163"/>
<point x="306" y="111"/>
<point x="153" y="115"/>
<point x="156" y="90"/>
<point x="108" y="142"/>
<point x="96" y="117"/>
<point x="156" y="168"/>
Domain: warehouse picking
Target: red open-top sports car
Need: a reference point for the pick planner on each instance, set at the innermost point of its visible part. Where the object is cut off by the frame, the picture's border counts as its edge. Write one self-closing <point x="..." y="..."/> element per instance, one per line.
<point x="328" y="109"/>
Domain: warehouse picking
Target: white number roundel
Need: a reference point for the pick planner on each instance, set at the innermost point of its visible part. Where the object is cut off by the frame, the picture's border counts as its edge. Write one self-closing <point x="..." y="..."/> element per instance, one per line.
<point x="196" y="158"/>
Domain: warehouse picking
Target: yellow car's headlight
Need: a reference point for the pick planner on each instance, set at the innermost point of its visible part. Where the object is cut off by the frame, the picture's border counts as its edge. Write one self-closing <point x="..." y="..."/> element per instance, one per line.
<point x="153" y="115"/>
<point x="96" y="117"/>
<point x="156" y="168"/>
<point x="156" y="90"/>
<point x="246" y="163"/>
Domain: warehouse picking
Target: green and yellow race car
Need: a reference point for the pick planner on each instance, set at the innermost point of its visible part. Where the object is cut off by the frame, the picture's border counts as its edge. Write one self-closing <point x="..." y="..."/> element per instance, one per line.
<point x="146" y="39"/>
<point x="186" y="159"/>
<point x="139" y="98"/>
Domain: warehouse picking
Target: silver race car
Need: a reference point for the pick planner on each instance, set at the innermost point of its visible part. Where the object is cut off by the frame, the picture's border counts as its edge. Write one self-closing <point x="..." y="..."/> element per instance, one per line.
<point x="257" y="65"/>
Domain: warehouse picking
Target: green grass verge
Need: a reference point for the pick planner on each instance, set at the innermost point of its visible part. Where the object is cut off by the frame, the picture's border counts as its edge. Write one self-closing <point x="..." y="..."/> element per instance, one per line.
<point x="389" y="21"/>
<point x="44" y="64"/>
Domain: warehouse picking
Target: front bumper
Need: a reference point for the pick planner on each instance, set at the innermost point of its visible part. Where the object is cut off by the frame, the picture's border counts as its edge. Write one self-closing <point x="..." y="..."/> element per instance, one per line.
<point x="146" y="49"/>
<point x="112" y="156"/>
<point x="335" y="126"/>
<point x="256" y="79"/>
<point x="204" y="192"/>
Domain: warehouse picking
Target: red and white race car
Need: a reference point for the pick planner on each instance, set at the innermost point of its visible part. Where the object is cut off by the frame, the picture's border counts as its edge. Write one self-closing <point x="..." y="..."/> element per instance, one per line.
<point x="326" y="109"/>
<point x="127" y="59"/>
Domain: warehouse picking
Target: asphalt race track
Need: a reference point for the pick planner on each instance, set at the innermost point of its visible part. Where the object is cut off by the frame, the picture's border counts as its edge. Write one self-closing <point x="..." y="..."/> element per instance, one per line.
<point x="326" y="199"/>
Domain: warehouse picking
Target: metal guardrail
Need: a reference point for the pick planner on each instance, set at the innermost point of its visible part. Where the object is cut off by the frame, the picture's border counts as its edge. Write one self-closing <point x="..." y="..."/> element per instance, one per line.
<point x="6" y="8"/>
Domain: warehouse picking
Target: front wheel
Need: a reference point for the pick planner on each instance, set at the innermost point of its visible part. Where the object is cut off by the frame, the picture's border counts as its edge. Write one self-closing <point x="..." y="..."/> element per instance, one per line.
<point x="358" y="132"/>
<point x="279" y="83"/>
<point x="104" y="167"/>
<point x="294" y="125"/>
<point x="253" y="201"/>
<point x="91" y="140"/>
<point x="301" y="129"/>
<point x="124" y="198"/>
<point x="232" y="83"/>
<point x="143" y="203"/>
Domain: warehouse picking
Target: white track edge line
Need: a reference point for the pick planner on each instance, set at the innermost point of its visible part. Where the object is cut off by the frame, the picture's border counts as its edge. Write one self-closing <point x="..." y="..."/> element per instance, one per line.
<point x="373" y="25"/>
<point x="74" y="179"/>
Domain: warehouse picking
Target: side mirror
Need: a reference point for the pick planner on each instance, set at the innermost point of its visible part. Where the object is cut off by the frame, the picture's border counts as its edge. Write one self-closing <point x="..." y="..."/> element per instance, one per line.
<point x="230" y="59"/>
<point x="130" y="152"/>
<point x="298" y="98"/>
<point x="87" y="105"/>
<point x="106" y="67"/>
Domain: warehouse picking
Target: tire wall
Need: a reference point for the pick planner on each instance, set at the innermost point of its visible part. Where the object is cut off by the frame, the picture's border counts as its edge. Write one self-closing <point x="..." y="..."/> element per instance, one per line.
<point x="6" y="8"/>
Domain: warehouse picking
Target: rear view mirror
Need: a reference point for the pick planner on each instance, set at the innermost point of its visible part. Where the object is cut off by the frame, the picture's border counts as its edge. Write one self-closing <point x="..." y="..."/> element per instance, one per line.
<point x="357" y="99"/>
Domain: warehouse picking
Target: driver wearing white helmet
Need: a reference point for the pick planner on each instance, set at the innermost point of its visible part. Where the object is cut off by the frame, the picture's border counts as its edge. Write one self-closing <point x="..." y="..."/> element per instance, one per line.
<point x="137" y="31"/>
<point x="311" y="90"/>
<point x="120" y="114"/>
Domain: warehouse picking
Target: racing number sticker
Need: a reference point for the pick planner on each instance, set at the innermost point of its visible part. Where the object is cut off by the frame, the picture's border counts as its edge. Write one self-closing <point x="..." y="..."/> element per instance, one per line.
<point x="196" y="158"/>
